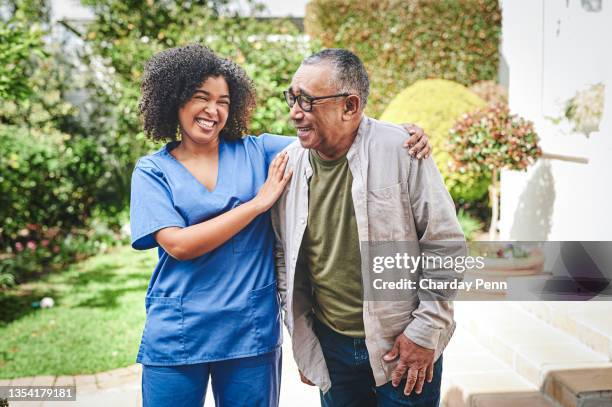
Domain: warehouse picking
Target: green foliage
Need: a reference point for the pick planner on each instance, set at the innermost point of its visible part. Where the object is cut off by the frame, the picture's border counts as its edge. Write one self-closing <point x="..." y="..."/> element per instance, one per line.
<point x="493" y="138"/>
<point x="401" y="42"/>
<point x="435" y="105"/>
<point x="17" y="43"/>
<point x="469" y="224"/>
<point x="21" y="43"/>
<point x="48" y="192"/>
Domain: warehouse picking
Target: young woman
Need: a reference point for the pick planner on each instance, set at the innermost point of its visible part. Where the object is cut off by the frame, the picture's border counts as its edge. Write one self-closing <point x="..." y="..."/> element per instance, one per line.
<point x="203" y="200"/>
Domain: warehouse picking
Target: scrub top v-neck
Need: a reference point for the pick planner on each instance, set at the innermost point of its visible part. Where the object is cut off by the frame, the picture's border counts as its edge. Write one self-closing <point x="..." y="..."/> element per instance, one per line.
<point x="223" y="304"/>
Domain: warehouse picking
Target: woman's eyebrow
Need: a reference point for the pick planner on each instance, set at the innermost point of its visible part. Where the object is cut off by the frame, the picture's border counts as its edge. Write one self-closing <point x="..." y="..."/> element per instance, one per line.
<point x="206" y="93"/>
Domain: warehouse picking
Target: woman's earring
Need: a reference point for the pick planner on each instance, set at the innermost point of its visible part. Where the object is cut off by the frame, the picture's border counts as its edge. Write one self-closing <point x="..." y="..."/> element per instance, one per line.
<point x="177" y="136"/>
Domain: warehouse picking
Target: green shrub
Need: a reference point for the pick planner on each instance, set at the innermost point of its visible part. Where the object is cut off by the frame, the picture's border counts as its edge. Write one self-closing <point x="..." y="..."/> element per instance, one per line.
<point x="49" y="190"/>
<point x="469" y="224"/>
<point x="401" y="42"/>
<point x="435" y="105"/>
<point x="18" y="42"/>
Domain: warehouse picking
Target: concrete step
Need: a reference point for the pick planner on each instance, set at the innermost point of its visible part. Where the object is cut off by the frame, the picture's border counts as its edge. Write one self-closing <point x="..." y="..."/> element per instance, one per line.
<point x="528" y="345"/>
<point x="589" y="322"/>
<point x="580" y="387"/>
<point x="473" y="377"/>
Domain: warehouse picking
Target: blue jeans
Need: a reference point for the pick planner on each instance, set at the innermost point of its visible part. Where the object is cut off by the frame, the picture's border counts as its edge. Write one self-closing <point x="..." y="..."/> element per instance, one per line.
<point x="352" y="380"/>
<point x="244" y="382"/>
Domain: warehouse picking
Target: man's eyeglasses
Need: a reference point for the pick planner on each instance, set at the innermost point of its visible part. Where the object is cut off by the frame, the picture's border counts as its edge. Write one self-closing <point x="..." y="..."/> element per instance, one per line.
<point x="306" y="102"/>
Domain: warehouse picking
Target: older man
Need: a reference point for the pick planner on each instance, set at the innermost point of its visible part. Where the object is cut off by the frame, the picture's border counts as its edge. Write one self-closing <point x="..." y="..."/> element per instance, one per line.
<point x="350" y="185"/>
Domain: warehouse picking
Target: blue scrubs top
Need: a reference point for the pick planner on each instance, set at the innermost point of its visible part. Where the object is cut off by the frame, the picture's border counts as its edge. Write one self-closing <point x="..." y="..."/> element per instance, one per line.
<point x="223" y="304"/>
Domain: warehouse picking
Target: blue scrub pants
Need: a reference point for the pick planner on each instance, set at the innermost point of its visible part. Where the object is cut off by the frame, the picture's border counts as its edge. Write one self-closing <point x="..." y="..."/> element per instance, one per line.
<point x="249" y="382"/>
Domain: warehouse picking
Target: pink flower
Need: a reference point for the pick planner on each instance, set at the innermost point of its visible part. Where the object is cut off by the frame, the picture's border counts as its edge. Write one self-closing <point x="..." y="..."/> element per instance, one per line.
<point x="56" y="249"/>
<point x="18" y="246"/>
<point x="31" y="245"/>
<point x="44" y="243"/>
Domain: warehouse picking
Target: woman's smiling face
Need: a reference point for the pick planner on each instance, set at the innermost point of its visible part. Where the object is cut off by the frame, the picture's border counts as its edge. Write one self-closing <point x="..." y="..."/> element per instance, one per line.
<point x="203" y="117"/>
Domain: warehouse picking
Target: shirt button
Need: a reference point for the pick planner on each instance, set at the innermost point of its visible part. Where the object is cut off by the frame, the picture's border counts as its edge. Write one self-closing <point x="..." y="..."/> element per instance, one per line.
<point x="302" y="221"/>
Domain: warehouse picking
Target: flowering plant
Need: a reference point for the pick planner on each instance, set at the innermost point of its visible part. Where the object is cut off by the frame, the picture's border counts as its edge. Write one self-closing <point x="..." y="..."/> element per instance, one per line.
<point x="491" y="139"/>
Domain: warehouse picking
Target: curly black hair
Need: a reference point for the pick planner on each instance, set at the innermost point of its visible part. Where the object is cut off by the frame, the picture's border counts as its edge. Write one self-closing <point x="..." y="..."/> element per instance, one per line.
<point x="170" y="80"/>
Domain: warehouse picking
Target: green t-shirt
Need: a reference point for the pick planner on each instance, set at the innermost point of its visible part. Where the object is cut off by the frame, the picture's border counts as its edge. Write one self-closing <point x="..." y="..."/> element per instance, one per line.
<point x="330" y="247"/>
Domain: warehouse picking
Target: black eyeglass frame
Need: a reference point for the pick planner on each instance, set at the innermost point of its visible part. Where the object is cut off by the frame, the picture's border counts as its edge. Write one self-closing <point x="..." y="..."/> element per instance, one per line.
<point x="299" y="98"/>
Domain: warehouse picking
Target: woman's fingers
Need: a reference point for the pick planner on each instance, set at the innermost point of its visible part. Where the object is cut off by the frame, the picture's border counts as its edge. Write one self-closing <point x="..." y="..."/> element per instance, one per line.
<point x="274" y="164"/>
<point x="282" y="165"/>
<point x="286" y="178"/>
<point x="278" y="166"/>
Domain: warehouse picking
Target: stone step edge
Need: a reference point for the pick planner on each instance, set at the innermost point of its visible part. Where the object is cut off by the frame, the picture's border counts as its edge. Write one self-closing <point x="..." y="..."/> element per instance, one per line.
<point x="569" y="387"/>
<point x="591" y="337"/>
<point x="523" y="399"/>
<point x="509" y="355"/>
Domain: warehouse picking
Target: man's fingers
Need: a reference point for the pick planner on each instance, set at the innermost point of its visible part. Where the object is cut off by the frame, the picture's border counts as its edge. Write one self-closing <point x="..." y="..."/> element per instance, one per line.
<point x="305" y="380"/>
<point x="430" y="372"/>
<point x="415" y="137"/>
<point x="420" y="380"/>
<point x="393" y="353"/>
<point x="410" y="381"/>
<point x="398" y="373"/>
<point x="418" y="147"/>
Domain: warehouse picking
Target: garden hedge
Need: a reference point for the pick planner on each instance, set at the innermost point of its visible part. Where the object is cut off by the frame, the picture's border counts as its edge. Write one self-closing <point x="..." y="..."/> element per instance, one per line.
<point x="403" y="41"/>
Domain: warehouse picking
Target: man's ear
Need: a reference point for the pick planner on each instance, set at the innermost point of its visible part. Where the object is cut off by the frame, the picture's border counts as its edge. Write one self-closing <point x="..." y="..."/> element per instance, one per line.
<point x="352" y="106"/>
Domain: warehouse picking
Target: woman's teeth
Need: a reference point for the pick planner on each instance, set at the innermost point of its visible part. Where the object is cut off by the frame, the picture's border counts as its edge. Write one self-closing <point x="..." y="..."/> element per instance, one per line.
<point x="207" y="124"/>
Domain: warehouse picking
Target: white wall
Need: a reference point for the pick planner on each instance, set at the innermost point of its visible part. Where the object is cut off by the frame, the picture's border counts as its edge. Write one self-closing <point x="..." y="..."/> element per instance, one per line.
<point x="554" y="48"/>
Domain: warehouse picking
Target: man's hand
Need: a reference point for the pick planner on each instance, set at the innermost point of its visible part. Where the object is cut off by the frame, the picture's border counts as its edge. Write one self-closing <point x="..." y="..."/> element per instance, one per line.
<point x="418" y="141"/>
<point x="305" y="380"/>
<point x="415" y="359"/>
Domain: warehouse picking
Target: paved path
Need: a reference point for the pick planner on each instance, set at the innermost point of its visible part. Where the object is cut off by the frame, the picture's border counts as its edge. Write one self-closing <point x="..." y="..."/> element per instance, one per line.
<point x="121" y="387"/>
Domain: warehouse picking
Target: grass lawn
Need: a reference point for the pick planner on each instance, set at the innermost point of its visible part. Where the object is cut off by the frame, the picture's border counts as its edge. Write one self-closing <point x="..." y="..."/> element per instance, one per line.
<point x="96" y="322"/>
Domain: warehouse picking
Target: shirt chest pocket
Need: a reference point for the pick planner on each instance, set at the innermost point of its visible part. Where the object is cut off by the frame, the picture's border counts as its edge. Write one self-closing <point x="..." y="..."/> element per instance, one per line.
<point x="389" y="214"/>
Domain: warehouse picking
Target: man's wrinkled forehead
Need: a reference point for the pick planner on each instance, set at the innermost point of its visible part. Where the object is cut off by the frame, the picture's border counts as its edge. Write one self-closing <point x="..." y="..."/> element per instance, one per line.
<point x="312" y="79"/>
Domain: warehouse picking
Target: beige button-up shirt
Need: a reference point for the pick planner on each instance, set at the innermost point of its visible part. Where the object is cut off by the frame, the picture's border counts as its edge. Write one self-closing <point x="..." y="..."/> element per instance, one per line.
<point x="396" y="198"/>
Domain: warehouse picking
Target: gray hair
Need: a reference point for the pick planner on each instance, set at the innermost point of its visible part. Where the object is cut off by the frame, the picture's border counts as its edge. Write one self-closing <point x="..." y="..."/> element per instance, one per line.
<point x="350" y="76"/>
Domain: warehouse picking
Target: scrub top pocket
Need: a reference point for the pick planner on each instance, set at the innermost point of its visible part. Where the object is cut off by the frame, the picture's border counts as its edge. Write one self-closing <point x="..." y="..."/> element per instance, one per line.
<point x="264" y="307"/>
